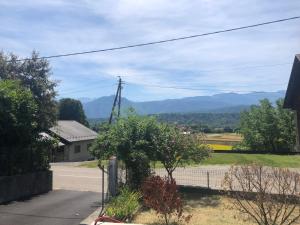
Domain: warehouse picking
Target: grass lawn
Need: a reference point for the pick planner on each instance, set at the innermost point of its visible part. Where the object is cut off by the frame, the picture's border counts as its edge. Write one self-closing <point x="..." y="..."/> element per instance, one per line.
<point x="208" y="210"/>
<point x="93" y="164"/>
<point x="264" y="159"/>
<point x="292" y="161"/>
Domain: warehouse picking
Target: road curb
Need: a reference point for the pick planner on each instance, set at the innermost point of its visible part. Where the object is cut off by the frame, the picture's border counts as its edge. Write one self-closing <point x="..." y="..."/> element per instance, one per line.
<point x="91" y="218"/>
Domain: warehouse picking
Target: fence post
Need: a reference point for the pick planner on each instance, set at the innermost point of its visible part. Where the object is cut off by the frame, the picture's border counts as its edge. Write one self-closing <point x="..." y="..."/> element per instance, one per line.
<point x="207" y="175"/>
<point x="113" y="176"/>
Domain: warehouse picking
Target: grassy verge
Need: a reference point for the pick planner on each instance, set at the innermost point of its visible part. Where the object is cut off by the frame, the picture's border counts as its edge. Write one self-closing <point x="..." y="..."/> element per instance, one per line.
<point x="93" y="164"/>
<point x="208" y="210"/>
<point x="292" y="161"/>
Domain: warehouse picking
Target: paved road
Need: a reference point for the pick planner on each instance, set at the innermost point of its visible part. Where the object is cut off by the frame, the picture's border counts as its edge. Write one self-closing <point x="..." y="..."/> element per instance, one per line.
<point x="201" y="176"/>
<point x="69" y="176"/>
<point x="59" y="207"/>
<point x="77" y="193"/>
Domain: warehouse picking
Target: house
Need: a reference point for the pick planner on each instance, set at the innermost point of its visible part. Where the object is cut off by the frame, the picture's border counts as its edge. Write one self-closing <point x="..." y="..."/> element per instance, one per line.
<point x="74" y="141"/>
<point x="292" y="96"/>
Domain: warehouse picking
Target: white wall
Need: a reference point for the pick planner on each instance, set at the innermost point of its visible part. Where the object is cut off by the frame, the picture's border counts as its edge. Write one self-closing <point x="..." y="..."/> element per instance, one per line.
<point x="72" y="156"/>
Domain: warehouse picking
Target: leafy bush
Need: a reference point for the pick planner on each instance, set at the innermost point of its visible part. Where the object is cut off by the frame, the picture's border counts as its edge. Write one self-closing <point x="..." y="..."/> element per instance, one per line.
<point x="161" y="194"/>
<point x="124" y="205"/>
<point x="138" y="166"/>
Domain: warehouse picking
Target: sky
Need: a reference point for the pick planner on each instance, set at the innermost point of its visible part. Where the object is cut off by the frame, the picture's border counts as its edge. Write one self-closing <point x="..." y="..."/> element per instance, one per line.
<point x="256" y="59"/>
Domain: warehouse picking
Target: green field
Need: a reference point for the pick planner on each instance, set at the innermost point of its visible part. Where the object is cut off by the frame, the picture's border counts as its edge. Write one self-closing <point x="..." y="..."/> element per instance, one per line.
<point x="292" y="161"/>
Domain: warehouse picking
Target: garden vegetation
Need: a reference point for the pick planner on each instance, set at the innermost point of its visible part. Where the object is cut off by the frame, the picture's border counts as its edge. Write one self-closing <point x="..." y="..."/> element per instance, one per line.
<point x="27" y="107"/>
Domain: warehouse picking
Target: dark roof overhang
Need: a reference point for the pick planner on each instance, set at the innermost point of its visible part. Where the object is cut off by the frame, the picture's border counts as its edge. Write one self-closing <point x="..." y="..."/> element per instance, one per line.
<point x="292" y="96"/>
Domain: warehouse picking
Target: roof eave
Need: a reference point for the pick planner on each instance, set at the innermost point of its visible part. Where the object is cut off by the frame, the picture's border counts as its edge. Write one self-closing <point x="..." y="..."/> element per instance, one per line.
<point x="293" y="89"/>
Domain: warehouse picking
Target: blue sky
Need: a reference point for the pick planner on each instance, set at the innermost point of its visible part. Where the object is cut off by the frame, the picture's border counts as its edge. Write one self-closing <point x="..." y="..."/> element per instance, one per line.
<point x="257" y="59"/>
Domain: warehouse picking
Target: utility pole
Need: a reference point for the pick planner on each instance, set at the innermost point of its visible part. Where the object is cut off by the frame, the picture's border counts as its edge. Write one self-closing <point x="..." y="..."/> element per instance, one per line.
<point x="117" y="98"/>
<point x="120" y="91"/>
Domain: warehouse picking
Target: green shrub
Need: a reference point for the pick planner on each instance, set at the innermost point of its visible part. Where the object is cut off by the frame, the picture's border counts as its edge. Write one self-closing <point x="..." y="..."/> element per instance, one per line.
<point x="124" y="205"/>
<point x="138" y="166"/>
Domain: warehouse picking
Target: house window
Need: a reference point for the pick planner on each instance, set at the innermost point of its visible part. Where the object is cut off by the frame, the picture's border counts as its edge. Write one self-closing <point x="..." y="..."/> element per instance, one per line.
<point x="77" y="149"/>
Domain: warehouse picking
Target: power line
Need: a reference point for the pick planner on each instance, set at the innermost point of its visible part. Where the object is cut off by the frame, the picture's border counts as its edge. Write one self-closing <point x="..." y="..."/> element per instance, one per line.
<point x="245" y="67"/>
<point x="184" y="88"/>
<point x="70" y="91"/>
<point x="85" y="84"/>
<point x="85" y="89"/>
<point x="163" y="41"/>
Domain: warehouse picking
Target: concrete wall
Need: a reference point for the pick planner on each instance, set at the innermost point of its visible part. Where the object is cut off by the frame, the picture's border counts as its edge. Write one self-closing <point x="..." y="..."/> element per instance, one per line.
<point x="72" y="155"/>
<point x="24" y="186"/>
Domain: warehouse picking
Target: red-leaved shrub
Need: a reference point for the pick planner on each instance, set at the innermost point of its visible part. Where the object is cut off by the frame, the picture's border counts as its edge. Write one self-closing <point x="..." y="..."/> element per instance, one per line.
<point x="161" y="194"/>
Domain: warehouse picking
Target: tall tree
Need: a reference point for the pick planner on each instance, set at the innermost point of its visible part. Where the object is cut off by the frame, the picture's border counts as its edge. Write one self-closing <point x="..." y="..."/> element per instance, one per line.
<point x="137" y="140"/>
<point x="21" y="150"/>
<point x="174" y="148"/>
<point x="268" y="128"/>
<point x="71" y="109"/>
<point x="18" y="113"/>
<point x="286" y="125"/>
<point x="131" y="140"/>
<point x="33" y="74"/>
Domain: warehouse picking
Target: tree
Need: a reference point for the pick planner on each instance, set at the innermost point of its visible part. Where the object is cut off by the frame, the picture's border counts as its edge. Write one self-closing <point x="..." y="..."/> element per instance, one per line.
<point x="33" y="74"/>
<point x="18" y="113"/>
<point x="71" y="109"/>
<point x="21" y="150"/>
<point x="267" y="128"/>
<point x="131" y="140"/>
<point x="174" y="148"/>
<point x="267" y="196"/>
<point x="286" y="125"/>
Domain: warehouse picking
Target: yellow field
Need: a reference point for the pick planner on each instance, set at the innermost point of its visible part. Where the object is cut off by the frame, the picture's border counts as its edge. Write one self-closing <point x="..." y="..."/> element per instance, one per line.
<point x="228" y="139"/>
<point x="220" y="147"/>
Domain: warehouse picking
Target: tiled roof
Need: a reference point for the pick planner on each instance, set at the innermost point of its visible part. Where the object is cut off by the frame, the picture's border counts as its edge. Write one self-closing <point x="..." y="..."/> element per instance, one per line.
<point x="46" y="136"/>
<point x="72" y="131"/>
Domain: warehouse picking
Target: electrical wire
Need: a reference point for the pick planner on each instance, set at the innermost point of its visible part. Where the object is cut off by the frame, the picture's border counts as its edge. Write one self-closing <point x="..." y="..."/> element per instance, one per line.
<point x="85" y="89"/>
<point x="245" y="67"/>
<point x="162" y="41"/>
<point x="185" y="88"/>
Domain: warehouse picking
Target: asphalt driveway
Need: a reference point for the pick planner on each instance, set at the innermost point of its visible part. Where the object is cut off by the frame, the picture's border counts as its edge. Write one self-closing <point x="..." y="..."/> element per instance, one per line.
<point x="69" y="176"/>
<point x="76" y="194"/>
<point x="59" y="207"/>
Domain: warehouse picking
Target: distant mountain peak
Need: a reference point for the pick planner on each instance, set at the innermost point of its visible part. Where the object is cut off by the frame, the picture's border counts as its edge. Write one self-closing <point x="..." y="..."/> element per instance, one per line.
<point x="226" y="102"/>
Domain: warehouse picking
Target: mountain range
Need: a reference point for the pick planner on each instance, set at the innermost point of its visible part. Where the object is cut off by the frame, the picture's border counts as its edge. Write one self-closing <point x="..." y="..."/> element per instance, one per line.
<point x="219" y="103"/>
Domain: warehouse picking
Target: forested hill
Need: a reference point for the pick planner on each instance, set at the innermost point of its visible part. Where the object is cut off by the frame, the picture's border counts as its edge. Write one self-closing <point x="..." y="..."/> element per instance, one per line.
<point x="203" y="121"/>
<point x="220" y="103"/>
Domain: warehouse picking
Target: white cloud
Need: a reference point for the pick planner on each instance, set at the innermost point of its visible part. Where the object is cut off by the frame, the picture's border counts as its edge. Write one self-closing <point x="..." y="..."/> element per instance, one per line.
<point x="61" y="26"/>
